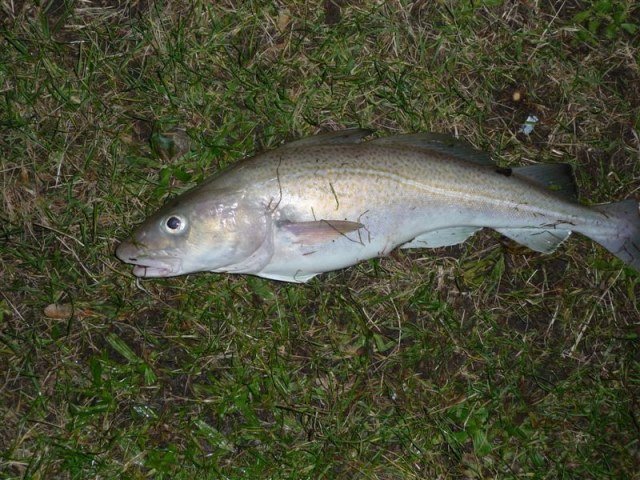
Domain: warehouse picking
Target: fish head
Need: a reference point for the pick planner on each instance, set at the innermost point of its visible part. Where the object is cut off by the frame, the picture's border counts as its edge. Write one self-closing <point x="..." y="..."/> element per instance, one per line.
<point x="197" y="231"/>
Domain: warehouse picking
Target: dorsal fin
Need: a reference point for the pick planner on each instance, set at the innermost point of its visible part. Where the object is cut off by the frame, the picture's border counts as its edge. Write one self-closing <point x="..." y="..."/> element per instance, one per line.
<point x="557" y="177"/>
<point x="340" y="137"/>
<point x="441" y="143"/>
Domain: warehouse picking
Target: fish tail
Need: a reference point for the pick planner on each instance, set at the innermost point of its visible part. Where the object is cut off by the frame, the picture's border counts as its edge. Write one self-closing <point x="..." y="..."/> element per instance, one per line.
<point x="624" y="243"/>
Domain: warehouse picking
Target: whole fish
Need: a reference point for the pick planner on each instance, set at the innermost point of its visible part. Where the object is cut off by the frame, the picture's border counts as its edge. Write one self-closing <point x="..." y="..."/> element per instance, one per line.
<point x="332" y="200"/>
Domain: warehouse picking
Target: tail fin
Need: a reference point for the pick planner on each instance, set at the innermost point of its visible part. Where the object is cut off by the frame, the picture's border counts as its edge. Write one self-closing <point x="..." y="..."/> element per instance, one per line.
<point x="626" y="244"/>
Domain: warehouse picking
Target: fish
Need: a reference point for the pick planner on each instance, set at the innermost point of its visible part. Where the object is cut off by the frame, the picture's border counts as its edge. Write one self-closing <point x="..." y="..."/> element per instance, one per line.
<point x="329" y="201"/>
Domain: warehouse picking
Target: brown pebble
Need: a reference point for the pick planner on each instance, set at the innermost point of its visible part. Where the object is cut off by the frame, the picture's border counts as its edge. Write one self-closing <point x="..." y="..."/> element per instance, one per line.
<point x="60" y="311"/>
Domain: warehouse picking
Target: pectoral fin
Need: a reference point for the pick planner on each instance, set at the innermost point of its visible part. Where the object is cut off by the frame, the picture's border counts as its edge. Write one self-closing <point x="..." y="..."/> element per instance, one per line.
<point x="319" y="231"/>
<point x="441" y="238"/>
<point x="537" y="239"/>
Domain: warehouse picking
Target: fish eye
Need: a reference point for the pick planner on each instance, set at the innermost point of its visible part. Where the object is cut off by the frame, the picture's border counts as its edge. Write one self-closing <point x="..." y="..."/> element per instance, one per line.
<point x="175" y="224"/>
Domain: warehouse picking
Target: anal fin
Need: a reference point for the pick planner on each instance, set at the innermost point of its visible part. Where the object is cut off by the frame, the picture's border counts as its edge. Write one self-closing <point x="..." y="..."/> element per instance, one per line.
<point x="538" y="239"/>
<point x="441" y="238"/>
<point x="288" y="277"/>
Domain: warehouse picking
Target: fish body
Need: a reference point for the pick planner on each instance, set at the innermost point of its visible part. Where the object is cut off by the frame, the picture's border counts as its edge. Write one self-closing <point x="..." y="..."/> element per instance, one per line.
<point x="330" y="201"/>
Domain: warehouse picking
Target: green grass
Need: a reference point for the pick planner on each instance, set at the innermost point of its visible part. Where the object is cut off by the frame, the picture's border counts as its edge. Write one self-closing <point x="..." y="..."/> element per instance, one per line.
<point x="479" y="361"/>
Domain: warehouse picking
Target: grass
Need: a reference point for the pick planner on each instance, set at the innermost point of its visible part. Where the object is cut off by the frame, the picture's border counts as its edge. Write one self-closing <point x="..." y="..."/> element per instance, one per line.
<point x="484" y="360"/>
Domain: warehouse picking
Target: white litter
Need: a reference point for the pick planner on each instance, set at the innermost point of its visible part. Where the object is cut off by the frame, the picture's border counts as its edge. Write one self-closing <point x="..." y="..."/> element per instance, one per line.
<point x="529" y="124"/>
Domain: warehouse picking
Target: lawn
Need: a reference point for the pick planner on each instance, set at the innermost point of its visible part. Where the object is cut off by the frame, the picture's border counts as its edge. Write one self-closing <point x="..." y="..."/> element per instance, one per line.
<point x="483" y="360"/>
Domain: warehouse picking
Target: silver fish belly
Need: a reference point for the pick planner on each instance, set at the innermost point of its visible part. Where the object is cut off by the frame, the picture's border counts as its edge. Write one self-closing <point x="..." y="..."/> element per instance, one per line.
<point x="326" y="202"/>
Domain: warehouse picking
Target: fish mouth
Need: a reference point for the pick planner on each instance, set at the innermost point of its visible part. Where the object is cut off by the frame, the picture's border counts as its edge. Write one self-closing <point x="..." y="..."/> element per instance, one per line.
<point x="149" y="271"/>
<point x="148" y="267"/>
<point x="152" y="267"/>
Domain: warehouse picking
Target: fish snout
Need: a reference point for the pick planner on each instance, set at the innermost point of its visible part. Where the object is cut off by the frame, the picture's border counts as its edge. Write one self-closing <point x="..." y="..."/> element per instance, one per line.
<point x="127" y="252"/>
<point x="146" y="266"/>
